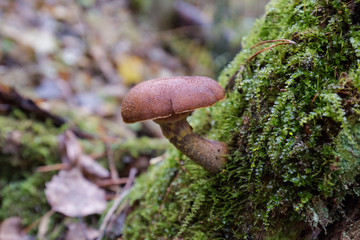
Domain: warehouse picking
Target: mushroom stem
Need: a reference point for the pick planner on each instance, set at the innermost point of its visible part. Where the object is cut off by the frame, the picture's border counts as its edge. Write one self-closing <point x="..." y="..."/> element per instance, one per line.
<point x="209" y="154"/>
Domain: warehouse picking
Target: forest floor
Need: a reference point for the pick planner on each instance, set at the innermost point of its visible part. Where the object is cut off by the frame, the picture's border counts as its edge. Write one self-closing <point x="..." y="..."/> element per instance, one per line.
<point x="72" y="62"/>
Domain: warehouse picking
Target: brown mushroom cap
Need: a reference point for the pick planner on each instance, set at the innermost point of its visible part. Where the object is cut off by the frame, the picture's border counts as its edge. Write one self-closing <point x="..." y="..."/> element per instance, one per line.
<point x="165" y="97"/>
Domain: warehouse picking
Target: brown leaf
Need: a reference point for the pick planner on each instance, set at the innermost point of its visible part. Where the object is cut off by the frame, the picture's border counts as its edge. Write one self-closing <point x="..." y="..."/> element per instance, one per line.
<point x="78" y="232"/>
<point x="41" y="41"/>
<point x="69" y="147"/>
<point x="10" y="229"/>
<point x="131" y="69"/>
<point x="90" y="166"/>
<point x="72" y="195"/>
<point x="72" y="155"/>
<point x="12" y="143"/>
<point x="44" y="225"/>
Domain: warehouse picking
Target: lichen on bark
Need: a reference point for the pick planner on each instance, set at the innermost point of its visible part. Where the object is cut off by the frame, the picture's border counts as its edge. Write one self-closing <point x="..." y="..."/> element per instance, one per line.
<point x="291" y="120"/>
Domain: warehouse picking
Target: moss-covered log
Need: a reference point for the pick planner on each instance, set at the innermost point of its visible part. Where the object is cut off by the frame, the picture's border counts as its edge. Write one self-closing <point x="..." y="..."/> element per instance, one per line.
<point x="291" y="120"/>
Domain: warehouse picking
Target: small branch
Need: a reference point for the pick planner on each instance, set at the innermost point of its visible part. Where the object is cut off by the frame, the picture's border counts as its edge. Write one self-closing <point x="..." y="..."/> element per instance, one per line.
<point x="113" y="173"/>
<point x="276" y="40"/>
<point x="83" y="228"/>
<point x="337" y="73"/>
<point x="109" y="182"/>
<point x="4" y="108"/>
<point x="263" y="50"/>
<point x="50" y="168"/>
<point x="35" y="223"/>
<point x="110" y="213"/>
<point x="168" y="191"/>
<point x="12" y="98"/>
<point x="117" y="202"/>
<point x="131" y="178"/>
<point x="181" y="163"/>
<point x="314" y="99"/>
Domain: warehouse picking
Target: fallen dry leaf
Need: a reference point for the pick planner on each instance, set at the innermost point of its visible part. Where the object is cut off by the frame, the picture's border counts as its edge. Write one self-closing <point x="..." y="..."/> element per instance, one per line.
<point x="131" y="69"/>
<point x="44" y="224"/>
<point x="72" y="195"/>
<point x="40" y="40"/>
<point x="12" y="143"/>
<point x="72" y="155"/>
<point x="10" y="229"/>
<point x="69" y="147"/>
<point x="90" y="166"/>
<point x="78" y="232"/>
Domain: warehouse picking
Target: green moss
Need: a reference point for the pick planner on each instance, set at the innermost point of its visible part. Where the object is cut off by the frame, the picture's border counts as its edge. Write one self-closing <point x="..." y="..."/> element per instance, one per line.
<point x="25" y="199"/>
<point x="162" y="186"/>
<point x="291" y="120"/>
<point x="25" y="145"/>
<point x="141" y="146"/>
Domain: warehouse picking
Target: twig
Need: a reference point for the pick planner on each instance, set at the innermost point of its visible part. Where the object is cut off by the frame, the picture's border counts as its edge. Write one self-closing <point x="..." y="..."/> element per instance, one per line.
<point x="181" y="163"/>
<point x="337" y="73"/>
<point x="131" y="178"/>
<point x="37" y="222"/>
<point x="82" y="228"/>
<point x="314" y="99"/>
<point x="168" y="190"/>
<point x="117" y="202"/>
<point x="11" y="97"/>
<point x="111" y="211"/>
<point x="113" y="173"/>
<point x="50" y="168"/>
<point x="263" y="50"/>
<point x="4" y="108"/>
<point x="270" y="41"/>
<point x="109" y="182"/>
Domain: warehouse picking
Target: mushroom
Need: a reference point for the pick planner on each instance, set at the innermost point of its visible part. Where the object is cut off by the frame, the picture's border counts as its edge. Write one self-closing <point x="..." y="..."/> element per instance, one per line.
<point x="169" y="101"/>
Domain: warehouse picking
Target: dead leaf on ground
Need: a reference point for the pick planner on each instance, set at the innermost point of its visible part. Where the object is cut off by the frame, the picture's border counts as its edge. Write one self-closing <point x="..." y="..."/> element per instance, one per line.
<point x="69" y="147"/>
<point x="10" y="229"/>
<point x="12" y="143"/>
<point x="40" y="40"/>
<point x="72" y="195"/>
<point x="78" y="232"/>
<point x="89" y="166"/>
<point x="72" y="155"/>
<point x="44" y="225"/>
<point x="131" y="68"/>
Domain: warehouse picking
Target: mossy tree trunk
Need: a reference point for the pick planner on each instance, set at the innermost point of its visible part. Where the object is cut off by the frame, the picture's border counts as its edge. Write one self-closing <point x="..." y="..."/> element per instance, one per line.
<point x="292" y="123"/>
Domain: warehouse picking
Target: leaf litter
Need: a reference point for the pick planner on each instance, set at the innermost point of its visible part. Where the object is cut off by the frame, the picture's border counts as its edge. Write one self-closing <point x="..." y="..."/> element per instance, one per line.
<point x="71" y="194"/>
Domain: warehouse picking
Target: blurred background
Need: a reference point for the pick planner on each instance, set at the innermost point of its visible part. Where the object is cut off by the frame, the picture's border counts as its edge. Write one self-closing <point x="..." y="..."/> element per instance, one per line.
<point x="73" y="50"/>
<point x="78" y="58"/>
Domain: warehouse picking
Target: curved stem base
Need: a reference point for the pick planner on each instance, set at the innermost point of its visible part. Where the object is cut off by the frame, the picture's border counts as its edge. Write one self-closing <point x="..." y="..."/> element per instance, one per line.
<point x="209" y="154"/>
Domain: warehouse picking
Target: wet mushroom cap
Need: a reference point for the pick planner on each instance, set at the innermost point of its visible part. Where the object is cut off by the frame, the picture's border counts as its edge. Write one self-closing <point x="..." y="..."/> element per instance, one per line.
<point x="165" y="97"/>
